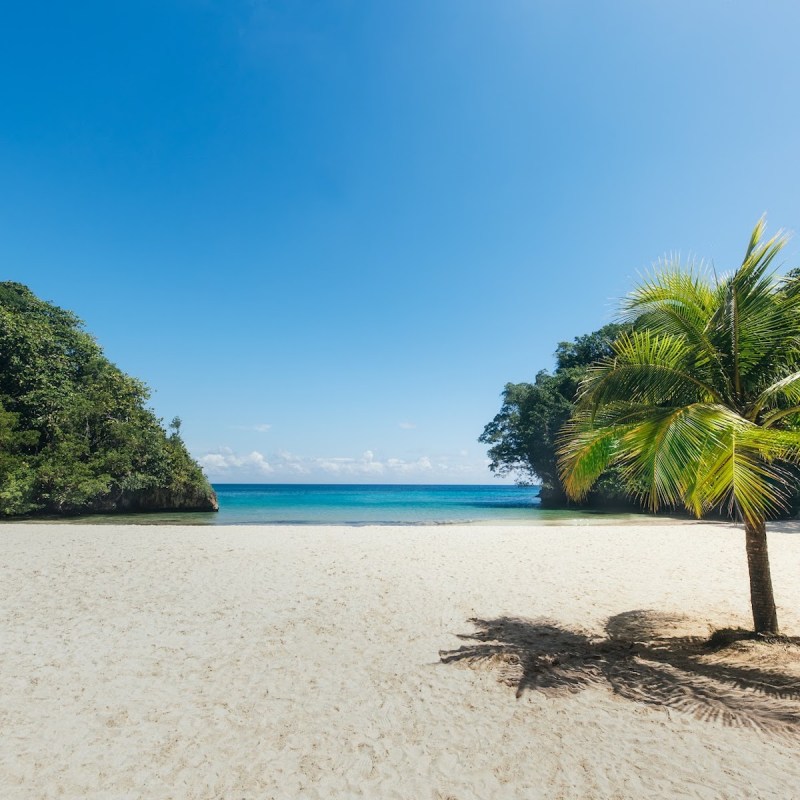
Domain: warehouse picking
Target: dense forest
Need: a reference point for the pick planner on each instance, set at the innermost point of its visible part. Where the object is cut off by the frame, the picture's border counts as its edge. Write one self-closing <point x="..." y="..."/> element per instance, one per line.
<point x="76" y="435"/>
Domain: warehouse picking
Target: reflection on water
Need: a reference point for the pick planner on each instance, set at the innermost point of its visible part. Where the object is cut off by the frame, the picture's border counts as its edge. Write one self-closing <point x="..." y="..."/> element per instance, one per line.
<point x="150" y="518"/>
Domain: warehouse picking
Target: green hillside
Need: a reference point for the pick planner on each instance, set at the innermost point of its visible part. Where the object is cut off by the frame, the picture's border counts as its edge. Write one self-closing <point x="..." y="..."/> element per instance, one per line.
<point x="76" y="435"/>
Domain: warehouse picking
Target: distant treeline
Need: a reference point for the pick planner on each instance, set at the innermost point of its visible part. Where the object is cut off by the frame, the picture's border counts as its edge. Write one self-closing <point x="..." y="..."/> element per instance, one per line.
<point x="76" y="435"/>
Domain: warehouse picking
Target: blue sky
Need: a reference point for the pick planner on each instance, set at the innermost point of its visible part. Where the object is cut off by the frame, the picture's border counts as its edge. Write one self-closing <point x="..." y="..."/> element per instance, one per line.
<point x="327" y="234"/>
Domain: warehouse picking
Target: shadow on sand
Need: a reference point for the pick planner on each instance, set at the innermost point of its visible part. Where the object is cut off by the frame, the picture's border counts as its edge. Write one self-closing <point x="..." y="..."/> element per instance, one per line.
<point x="785" y="526"/>
<point x="729" y="678"/>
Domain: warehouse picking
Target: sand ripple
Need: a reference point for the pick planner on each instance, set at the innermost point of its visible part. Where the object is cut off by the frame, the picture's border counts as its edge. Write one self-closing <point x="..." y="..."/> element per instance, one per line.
<point x="144" y="662"/>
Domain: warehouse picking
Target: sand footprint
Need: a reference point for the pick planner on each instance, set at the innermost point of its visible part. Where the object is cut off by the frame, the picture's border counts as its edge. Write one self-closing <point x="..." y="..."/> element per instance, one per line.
<point x="359" y="765"/>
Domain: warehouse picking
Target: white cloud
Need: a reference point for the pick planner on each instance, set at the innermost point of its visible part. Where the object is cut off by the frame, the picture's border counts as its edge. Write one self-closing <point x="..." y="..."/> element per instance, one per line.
<point x="290" y="463"/>
<point x="407" y="426"/>
<point x="261" y="427"/>
<point x="364" y="466"/>
<point x="401" y="467"/>
<point x="225" y="465"/>
<point x="213" y="462"/>
<point x="368" y="465"/>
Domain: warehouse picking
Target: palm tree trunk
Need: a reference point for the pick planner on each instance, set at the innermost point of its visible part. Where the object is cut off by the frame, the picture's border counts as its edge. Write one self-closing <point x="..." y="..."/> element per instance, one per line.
<point x="765" y="617"/>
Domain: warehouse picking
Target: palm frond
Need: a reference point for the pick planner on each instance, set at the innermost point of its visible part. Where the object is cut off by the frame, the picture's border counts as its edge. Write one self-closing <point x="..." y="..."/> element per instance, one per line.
<point x="659" y="453"/>
<point x="585" y="452"/>
<point x="753" y="316"/>
<point x="759" y="254"/>
<point x="677" y="297"/>
<point x="786" y="390"/>
<point x="678" y="302"/>
<point x="646" y="368"/>
<point x="743" y="467"/>
<point x="732" y="475"/>
<point x="698" y="404"/>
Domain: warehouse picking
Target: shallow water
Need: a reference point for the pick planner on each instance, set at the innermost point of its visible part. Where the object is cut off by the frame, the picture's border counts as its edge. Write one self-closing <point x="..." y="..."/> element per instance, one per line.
<point x="317" y="504"/>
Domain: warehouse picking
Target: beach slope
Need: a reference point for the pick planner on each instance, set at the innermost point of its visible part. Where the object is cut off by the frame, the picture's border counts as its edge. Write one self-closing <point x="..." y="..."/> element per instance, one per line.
<point x="383" y="662"/>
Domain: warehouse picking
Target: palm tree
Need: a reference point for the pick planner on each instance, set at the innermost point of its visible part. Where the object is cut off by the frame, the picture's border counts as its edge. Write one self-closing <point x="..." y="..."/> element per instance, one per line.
<point x="700" y="403"/>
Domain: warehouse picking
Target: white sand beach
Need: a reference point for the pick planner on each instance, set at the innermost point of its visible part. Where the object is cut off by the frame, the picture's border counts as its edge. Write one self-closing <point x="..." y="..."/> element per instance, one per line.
<point x="325" y="662"/>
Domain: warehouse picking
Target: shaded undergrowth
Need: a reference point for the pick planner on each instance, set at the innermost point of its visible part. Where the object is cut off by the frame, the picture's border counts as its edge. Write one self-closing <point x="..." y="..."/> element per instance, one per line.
<point x="726" y="678"/>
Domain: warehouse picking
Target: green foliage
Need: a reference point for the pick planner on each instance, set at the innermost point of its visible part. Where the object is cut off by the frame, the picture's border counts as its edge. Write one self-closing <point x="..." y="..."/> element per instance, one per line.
<point x="16" y="475"/>
<point x="523" y="436"/>
<point x="75" y="431"/>
<point x="700" y="403"/>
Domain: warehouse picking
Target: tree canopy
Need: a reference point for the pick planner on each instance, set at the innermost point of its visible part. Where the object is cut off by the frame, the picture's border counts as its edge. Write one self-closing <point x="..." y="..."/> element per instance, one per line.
<point x="523" y="435"/>
<point x="76" y="434"/>
<point x="699" y="404"/>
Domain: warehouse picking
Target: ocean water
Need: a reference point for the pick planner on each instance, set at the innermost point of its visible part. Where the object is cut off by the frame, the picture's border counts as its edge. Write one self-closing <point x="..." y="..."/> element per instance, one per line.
<point x="372" y="504"/>
<point x="351" y="504"/>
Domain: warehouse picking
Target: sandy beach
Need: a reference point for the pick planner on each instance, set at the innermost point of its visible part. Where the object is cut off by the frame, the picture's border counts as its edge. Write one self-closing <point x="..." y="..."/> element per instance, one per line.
<point x="440" y="662"/>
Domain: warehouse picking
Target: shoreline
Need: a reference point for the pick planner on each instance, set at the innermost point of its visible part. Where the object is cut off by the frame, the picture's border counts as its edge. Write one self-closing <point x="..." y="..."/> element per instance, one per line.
<point x="328" y="661"/>
<point x="546" y="518"/>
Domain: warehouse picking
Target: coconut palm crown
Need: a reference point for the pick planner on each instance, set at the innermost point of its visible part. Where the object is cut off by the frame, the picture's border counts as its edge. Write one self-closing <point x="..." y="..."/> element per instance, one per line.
<point x="700" y="403"/>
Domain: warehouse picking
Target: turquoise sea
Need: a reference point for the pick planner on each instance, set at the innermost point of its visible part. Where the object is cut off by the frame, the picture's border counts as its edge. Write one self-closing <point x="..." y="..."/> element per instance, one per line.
<point x="358" y="504"/>
<point x="354" y="504"/>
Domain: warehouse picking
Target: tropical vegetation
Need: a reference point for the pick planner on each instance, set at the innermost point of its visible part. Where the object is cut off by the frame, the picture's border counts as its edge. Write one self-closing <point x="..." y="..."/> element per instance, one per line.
<point x="698" y="404"/>
<point x="523" y="436"/>
<point x="76" y="434"/>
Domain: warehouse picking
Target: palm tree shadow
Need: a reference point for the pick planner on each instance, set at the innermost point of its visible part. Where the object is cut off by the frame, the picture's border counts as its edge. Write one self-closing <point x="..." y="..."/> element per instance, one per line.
<point x="727" y="679"/>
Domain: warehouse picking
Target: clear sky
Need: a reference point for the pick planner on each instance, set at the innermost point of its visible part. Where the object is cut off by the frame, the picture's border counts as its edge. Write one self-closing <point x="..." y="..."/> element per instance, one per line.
<point x="327" y="233"/>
